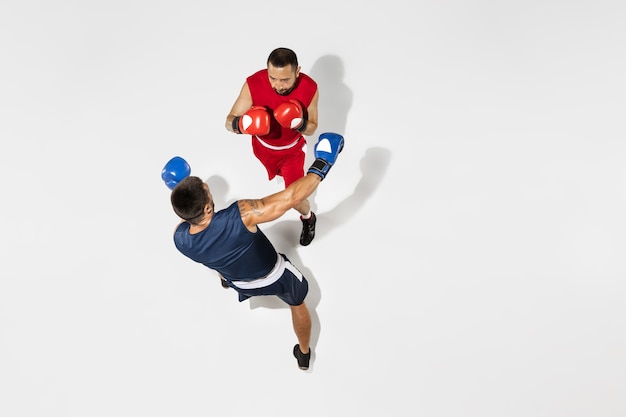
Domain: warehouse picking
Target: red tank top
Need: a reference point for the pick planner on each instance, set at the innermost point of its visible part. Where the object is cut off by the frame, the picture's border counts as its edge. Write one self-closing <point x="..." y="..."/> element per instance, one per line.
<point x="264" y="95"/>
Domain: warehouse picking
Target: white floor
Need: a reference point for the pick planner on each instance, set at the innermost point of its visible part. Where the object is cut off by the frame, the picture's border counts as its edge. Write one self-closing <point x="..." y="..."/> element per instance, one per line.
<point x="469" y="259"/>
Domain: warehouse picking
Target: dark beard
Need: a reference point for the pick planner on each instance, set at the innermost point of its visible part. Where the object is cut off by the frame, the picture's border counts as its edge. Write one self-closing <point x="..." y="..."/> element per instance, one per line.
<point x="285" y="93"/>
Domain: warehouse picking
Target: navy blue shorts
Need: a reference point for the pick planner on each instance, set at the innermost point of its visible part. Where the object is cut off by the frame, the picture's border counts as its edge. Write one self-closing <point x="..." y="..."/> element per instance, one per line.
<point x="292" y="287"/>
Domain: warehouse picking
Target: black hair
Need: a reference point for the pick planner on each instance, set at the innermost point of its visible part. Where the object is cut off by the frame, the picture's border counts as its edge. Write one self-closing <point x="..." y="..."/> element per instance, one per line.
<point x="281" y="57"/>
<point x="189" y="198"/>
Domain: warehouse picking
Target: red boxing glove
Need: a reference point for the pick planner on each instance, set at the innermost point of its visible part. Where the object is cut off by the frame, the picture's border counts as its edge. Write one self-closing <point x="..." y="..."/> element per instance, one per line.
<point x="290" y="114"/>
<point x="255" y="121"/>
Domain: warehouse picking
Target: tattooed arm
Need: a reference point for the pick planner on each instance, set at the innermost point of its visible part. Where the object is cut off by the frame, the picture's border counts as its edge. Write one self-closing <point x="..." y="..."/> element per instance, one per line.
<point x="270" y="208"/>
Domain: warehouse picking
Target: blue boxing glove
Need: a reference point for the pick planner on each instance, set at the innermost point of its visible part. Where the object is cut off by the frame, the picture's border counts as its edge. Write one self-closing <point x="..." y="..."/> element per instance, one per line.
<point x="176" y="170"/>
<point x="328" y="146"/>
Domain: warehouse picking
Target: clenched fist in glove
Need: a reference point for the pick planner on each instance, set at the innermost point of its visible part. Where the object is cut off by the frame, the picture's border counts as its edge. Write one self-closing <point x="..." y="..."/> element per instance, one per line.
<point x="176" y="170"/>
<point x="326" y="150"/>
<point x="255" y="121"/>
<point x="291" y="114"/>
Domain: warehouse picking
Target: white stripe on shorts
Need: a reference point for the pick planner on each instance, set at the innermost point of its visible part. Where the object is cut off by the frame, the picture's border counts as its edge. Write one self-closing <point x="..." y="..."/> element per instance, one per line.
<point x="294" y="270"/>
<point x="278" y="148"/>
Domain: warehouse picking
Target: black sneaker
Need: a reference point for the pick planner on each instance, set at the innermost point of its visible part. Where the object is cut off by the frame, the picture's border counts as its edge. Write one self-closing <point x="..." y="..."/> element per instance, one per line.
<point x="308" y="229"/>
<point x="303" y="359"/>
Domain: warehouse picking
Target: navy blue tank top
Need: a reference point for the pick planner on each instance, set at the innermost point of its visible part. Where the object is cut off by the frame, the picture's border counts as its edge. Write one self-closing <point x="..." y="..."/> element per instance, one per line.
<point x="227" y="246"/>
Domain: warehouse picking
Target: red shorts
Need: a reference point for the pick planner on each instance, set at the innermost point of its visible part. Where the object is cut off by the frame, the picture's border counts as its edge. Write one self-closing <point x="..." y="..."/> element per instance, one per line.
<point x="288" y="163"/>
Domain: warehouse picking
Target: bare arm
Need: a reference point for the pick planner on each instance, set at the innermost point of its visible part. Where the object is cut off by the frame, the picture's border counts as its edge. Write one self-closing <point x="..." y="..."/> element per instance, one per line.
<point x="311" y="125"/>
<point x="241" y="105"/>
<point x="270" y="208"/>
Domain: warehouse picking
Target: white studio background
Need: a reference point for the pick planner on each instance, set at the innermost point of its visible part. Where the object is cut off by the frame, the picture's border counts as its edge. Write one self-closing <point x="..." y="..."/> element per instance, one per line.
<point x="469" y="259"/>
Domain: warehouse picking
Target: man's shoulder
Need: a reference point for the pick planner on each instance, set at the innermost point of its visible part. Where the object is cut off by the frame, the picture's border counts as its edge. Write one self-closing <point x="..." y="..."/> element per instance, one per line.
<point x="258" y="80"/>
<point x="260" y="73"/>
<point x="232" y="206"/>
<point x="307" y="79"/>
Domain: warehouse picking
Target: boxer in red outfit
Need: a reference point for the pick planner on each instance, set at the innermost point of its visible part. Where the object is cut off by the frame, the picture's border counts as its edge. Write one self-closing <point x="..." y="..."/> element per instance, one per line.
<point x="277" y="106"/>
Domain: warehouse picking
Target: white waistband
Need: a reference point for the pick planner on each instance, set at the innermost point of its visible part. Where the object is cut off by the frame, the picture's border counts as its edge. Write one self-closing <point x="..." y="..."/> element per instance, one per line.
<point x="278" y="148"/>
<point x="267" y="280"/>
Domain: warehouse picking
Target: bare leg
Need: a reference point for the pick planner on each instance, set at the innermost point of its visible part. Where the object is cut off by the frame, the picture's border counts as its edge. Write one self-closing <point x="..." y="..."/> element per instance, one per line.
<point x="304" y="207"/>
<point x="302" y="325"/>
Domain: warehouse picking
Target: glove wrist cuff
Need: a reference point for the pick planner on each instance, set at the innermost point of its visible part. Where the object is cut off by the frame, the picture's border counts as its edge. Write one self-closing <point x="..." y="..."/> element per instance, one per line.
<point x="303" y="126"/>
<point x="235" y="124"/>
<point x="320" y="167"/>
